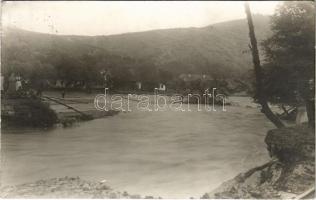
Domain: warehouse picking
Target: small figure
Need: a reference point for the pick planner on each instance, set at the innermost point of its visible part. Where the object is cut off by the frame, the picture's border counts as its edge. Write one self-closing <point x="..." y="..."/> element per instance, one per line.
<point x="18" y="83"/>
<point x="63" y="93"/>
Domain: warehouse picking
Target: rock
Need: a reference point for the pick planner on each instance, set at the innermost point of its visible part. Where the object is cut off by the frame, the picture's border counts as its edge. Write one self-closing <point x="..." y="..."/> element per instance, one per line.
<point x="125" y="194"/>
<point x="135" y="196"/>
<point x="291" y="144"/>
<point x="298" y="178"/>
<point x="205" y="196"/>
<point x="102" y="187"/>
<point x="103" y="181"/>
<point x="113" y="195"/>
<point x="85" y="187"/>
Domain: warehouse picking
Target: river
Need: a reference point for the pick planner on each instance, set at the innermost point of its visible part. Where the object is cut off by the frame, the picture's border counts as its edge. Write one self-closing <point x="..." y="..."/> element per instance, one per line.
<point x="168" y="154"/>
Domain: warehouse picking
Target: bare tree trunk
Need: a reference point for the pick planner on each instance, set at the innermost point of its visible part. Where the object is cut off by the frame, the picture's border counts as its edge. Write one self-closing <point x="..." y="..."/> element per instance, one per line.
<point x="258" y="73"/>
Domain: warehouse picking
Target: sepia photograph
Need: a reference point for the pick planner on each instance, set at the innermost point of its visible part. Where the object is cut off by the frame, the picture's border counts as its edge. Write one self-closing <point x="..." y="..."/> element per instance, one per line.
<point x="157" y="100"/>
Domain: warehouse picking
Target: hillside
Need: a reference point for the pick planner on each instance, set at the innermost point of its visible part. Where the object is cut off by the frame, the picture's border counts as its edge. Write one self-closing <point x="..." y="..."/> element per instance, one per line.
<point x="220" y="50"/>
<point x="205" y="49"/>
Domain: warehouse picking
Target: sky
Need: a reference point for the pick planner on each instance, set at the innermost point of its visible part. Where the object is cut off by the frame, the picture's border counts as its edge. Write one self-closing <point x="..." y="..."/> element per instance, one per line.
<point x="115" y="17"/>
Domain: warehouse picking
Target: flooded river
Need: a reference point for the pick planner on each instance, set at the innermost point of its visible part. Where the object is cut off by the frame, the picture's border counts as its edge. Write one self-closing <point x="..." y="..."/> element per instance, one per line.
<point x="168" y="154"/>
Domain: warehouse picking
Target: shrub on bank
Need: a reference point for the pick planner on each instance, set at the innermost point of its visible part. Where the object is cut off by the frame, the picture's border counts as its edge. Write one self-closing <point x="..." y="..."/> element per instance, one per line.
<point x="33" y="112"/>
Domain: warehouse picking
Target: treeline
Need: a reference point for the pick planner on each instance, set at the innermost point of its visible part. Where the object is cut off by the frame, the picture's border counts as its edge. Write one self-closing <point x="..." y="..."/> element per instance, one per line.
<point x="88" y="68"/>
<point x="149" y="57"/>
<point x="78" y="65"/>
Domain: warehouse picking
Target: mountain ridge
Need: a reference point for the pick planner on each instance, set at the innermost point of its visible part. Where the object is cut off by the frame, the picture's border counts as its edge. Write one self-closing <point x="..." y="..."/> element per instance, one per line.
<point x="217" y="49"/>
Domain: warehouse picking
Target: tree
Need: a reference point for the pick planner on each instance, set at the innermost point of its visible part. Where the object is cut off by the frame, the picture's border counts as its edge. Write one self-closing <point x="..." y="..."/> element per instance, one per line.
<point x="260" y="95"/>
<point x="289" y="56"/>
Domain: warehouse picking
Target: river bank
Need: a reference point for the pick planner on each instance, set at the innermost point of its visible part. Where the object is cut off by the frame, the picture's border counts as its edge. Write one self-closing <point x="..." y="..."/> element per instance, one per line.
<point x="289" y="174"/>
<point x="47" y="111"/>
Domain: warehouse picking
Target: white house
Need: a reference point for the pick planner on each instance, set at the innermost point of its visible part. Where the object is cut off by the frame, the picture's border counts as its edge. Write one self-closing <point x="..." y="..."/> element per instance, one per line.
<point x="139" y="85"/>
<point x="162" y="87"/>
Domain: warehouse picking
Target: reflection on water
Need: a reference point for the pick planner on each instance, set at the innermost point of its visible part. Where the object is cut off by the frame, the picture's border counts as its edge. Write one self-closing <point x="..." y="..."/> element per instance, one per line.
<point x="168" y="154"/>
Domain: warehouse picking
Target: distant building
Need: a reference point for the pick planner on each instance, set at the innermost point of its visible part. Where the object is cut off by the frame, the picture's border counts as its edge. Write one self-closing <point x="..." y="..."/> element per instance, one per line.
<point x="139" y="85"/>
<point x="106" y="74"/>
<point x="18" y="83"/>
<point x="301" y="116"/>
<point x="162" y="87"/>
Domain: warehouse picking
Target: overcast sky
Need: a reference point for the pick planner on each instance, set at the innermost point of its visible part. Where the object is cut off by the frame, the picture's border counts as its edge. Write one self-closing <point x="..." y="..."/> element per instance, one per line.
<point x="105" y="18"/>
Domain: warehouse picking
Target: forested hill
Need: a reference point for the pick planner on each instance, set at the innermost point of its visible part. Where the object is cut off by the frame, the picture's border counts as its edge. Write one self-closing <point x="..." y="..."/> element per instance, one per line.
<point x="220" y="50"/>
<point x="219" y="47"/>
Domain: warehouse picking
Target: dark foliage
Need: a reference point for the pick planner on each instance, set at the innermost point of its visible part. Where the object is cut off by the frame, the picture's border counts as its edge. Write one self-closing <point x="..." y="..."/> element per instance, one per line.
<point x="289" y="53"/>
<point x="33" y="112"/>
<point x="290" y="57"/>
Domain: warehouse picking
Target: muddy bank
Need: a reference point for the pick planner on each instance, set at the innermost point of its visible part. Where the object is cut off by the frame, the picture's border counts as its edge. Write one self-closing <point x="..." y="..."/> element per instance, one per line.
<point x="290" y="173"/>
<point x="71" y="110"/>
<point x="67" y="187"/>
<point x="69" y="118"/>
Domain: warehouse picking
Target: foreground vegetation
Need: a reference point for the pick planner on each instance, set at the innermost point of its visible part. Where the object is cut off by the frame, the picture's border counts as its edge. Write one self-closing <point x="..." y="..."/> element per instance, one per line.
<point x="27" y="111"/>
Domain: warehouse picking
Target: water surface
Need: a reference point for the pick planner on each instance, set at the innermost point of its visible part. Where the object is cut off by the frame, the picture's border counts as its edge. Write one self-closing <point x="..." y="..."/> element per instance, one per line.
<point x="168" y="154"/>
